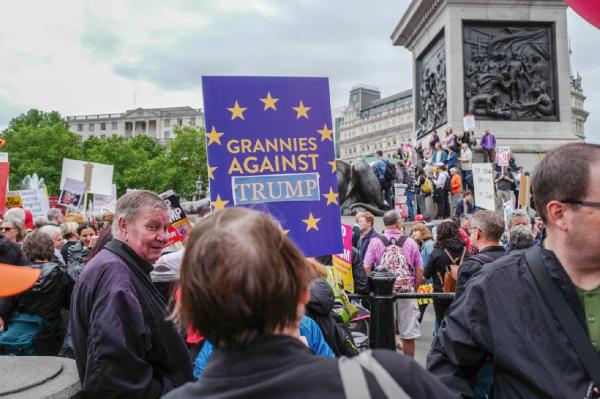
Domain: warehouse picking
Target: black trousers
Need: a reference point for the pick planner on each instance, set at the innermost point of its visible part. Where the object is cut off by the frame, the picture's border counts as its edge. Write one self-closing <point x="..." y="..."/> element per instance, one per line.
<point x="443" y="203"/>
<point x="440" y="307"/>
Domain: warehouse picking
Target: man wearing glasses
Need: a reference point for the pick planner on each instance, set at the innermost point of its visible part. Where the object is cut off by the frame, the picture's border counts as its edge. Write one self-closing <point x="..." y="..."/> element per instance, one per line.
<point x="504" y="316"/>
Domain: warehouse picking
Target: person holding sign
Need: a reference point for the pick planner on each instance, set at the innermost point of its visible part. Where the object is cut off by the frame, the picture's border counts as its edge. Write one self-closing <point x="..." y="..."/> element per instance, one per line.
<point x="505" y="183"/>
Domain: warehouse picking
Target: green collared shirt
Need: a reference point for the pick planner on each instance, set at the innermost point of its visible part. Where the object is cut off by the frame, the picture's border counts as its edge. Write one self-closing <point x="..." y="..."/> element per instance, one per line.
<point x="591" y="303"/>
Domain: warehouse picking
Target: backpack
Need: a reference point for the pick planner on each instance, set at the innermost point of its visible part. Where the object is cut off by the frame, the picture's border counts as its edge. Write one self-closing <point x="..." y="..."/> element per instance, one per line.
<point x="450" y="277"/>
<point x="448" y="184"/>
<point x="426" y="187"/>
<point x="390" y="172"/>
<point x="394" y="260"/>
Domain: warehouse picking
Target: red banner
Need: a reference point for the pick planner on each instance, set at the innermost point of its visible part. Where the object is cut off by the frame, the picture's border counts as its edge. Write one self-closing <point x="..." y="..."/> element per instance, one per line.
<point x="587" y="9"/>
<point x="4" y="169"/>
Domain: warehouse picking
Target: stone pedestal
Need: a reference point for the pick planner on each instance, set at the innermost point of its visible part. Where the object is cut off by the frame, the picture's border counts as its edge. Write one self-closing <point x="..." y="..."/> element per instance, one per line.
<point x="521" y="44"/>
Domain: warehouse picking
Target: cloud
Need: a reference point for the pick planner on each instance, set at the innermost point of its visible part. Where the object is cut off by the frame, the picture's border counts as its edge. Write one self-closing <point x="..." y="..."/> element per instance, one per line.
<point x="94" y="57"/>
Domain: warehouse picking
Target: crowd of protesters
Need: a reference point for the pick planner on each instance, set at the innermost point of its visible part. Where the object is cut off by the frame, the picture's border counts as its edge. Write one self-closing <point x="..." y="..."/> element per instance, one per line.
<point x="247" y="315"/>
<point x="439" y="175"/>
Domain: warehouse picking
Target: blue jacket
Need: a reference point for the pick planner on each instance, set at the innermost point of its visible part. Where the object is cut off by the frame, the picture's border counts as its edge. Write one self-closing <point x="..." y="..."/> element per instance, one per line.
<point x="308" y="329"/>
<point x="452" y="160"/>
<point x="443" y="159"/>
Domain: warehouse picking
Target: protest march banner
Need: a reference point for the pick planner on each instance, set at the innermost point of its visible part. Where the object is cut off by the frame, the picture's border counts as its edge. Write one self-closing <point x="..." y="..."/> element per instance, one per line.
<point x="97" y="176"/>
<point x="503" y="155"/>
<point x="34" y="200"/>
<point x="270" y="147"/>
<point x="483" y="180"/>
<point x="400" y="199"/>
<point x="342" y="263"/>
<point x="4" y="169"/>
<point x="469" y="123"/>
<point x="72" y="193"/>
<point x="180" y="225"/>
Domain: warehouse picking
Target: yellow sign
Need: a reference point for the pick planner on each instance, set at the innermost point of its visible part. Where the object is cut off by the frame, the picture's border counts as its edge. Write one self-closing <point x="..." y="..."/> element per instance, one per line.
<point x="342" y="272"/>
<point x="425" y="289"/>
<point x="13" y="201"/>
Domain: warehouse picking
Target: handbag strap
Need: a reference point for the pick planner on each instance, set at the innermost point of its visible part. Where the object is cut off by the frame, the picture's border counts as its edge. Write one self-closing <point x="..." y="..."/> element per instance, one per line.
<point x="565" y="315"/>
<point x="353" y="379"/>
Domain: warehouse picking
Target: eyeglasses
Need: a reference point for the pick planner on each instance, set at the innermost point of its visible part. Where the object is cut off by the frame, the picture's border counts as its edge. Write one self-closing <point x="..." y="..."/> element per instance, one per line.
<point x="582" y="203"/>
<point x="5" y="229"/>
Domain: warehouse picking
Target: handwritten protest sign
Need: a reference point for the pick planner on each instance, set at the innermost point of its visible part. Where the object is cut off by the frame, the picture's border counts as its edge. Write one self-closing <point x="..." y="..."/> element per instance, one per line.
<point x="400" y="199"/>
<point x="342" y="263"/>
<point x="34" y="200"/>
<point x="180" y="225"/>
<point x="270" y="144"/>
<point x="104" y="203"/>
<point x="483" y="179"/>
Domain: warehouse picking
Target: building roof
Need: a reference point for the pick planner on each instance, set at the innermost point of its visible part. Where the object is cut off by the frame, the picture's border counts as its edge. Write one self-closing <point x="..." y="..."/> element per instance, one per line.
<point x="403" y="95"/>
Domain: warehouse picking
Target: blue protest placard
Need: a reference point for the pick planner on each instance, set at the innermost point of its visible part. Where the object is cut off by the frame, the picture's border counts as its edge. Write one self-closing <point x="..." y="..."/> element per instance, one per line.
<point x="270" y="147"/>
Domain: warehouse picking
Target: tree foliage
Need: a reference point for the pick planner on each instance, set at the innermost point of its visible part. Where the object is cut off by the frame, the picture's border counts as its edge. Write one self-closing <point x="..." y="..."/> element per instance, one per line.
<point x="38" y="141"/>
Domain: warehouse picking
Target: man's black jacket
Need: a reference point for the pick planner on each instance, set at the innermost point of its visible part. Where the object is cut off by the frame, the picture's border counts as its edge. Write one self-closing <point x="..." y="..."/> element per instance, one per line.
<point x="502" y="314"/>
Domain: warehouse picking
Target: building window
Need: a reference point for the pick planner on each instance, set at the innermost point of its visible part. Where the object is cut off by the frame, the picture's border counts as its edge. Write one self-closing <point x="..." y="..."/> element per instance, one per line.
<point x="103" y="126"/>
<point x="91" y="128"/>
<point x="167" y="135"/>
<point x="103" y="136"/>
<point x="192" y="121"/>
<point x="80" y="127"/>
<point x="115" y="125"/>
<point x="179" y="122"/>
<point x="167" y="122"/>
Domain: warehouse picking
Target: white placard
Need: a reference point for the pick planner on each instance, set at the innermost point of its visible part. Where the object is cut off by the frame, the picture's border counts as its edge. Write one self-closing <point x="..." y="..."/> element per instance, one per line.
<point x="483" y="179"/>
<point x="72" y="193"/>
<point x="3" y="156"/>
<point x="34" y="200"/>
<point x="104" y="203"/>
<point x="469" y="123"/>
<point x="102" y="175"/>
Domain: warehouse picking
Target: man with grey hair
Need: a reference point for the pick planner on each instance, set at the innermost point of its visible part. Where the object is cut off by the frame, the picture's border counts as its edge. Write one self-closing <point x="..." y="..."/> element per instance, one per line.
<point x="518" y="217"/>
<point x="407" y="311"/>
<point x="484" y="234"/>
<point x="124" y="343"/>
<point x="40" y="221"/>
<point x="55" y="217"/>
<point x="521" y="237"/>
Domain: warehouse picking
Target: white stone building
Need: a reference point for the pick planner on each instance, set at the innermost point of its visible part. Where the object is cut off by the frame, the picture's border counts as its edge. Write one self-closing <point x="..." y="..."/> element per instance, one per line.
<point x="157" y="123"/>
<point x="372" y="123"/>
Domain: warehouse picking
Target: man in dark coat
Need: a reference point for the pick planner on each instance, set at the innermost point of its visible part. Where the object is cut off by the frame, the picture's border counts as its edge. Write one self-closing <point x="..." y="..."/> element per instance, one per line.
<point x="124" y="344"/>
<point x="504" y="316"/>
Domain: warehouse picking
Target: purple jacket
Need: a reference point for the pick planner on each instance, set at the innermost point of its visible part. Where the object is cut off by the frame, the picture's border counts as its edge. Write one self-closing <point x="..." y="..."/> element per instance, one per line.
<point x="488" y="142"/>
<point x="124" y="345"/>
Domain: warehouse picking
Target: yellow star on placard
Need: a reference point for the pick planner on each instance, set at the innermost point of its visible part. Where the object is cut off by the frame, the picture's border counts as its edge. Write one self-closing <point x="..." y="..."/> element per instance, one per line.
<point x="311" y="222"/>
<point x="219" y="204"/>
<point x="237" y="111"/>
<point x="333" y="166"/>
<point x="301" y="110"/>
<point x="214" y="136"/>
<point x="269" y="102"/>
<point x="211" y="170"/>
<point x="325" y="133"/>
<point x="331" y="197"/>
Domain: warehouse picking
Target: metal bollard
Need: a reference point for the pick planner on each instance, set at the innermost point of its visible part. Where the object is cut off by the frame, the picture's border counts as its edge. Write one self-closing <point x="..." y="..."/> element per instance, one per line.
<point x="381" y="332"/>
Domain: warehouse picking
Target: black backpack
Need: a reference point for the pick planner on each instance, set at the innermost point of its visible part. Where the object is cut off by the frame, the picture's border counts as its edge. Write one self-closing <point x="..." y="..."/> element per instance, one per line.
<point x="448" y="184"/>
<point x="390" y="172"/>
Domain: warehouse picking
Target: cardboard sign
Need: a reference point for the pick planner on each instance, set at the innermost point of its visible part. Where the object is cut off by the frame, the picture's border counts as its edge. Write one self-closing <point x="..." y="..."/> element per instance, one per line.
<point x="524" y="192"/>
<point x="400" y="199"/>
<point x="104" y="203"/>
<point x="469" y="123"/>
<point x="98" y="175"/>
<point x="34" y="200"/>
<point x="72" y="193"/>
<point x="483" y="180"/>
<point x="270" y="143"/>
<point x="503" y="155"/>
<point x="342" y="263"/>
<point x="13" y="201"/>
<point x="180" y="225"/>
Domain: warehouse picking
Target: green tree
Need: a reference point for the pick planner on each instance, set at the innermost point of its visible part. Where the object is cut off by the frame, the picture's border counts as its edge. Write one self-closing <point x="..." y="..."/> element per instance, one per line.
<point x="186" y="160"/>
<point x="37" y="142"/>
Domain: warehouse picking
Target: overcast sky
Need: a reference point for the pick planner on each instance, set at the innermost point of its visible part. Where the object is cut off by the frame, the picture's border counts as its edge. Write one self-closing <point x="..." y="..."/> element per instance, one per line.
<point x="87" y="57"/>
